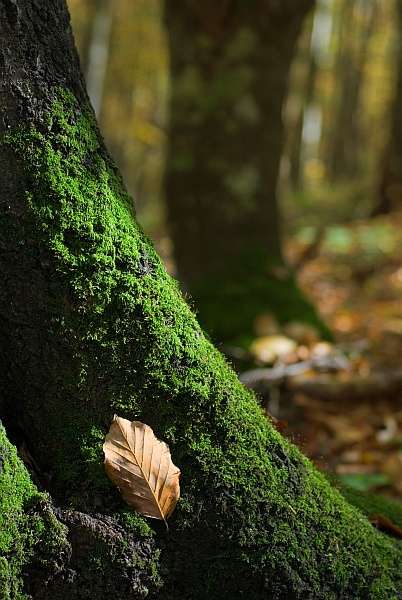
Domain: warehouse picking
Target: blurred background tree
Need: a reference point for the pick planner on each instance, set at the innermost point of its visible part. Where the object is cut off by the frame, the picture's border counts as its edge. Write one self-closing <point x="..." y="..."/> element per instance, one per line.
<point x="390" y="177"/>
<point x="230" y="63"/>
<point x="341" y="134"/>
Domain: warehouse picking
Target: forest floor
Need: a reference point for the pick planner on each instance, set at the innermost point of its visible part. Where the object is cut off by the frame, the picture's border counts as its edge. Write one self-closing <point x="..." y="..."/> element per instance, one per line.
<point x="348" y="417"/>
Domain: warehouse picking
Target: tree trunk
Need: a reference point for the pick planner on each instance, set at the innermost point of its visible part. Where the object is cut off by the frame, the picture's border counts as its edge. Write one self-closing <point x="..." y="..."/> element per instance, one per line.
<point x="299" y="97"/>
<point x="343" y="159"/>
<point x="229" y="68"/>
<point x="98" y="54"/>
<point x="390" y="168"/>
<point x="92" y="325"/>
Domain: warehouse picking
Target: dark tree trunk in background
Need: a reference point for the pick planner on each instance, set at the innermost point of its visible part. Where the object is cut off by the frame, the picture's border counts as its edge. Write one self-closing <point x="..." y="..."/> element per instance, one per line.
<point x="92" y="325"/>
<point x="98" y="53"/>
<point x="343" y="160"/>
<point x="229" y="68"/>
<point x="390" y="187"/>
<point x="302" y="76"/>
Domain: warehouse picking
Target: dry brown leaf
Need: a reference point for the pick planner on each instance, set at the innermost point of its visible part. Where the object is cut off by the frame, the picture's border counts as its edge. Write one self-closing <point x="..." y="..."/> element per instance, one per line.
<point x="385" y="525"/>
<point x="140" y="465"/>
<point x="279" y="424"/>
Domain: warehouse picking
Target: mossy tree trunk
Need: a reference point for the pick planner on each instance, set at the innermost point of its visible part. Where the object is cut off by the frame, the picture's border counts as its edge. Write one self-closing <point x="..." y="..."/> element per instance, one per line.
<point x="229" y="68"/>
<point x="92" y="325"/>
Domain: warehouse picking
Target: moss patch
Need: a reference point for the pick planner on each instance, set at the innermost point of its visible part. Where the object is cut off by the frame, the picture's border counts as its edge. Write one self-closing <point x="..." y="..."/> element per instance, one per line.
<point x="23" y="532"/>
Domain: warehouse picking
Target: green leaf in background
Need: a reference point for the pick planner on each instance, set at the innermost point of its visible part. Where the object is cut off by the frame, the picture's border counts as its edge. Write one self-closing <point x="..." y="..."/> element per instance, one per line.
<point x="364" y="481"/>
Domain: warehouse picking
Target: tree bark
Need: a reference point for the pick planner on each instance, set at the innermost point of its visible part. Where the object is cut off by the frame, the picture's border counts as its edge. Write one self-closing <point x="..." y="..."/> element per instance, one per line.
<point x="229" y="68"/>
<point x="92" y="325"/>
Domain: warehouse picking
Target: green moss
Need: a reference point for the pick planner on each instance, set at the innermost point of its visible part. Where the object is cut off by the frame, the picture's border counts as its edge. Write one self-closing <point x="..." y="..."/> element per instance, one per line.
<point x="23" y="532"/>
<point x="133" y="522"/>
<point x="116" y="336"/>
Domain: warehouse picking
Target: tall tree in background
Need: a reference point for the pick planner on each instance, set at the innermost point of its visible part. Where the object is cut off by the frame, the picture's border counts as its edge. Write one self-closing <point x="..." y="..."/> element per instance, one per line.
<point x="229" y="68"/>
<point x="354" y="37"/>
<point x="390" y="192"/>
<point x="98" y="53"/>
<point x="91" y="325"/>
<point x="302" y="73"/>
